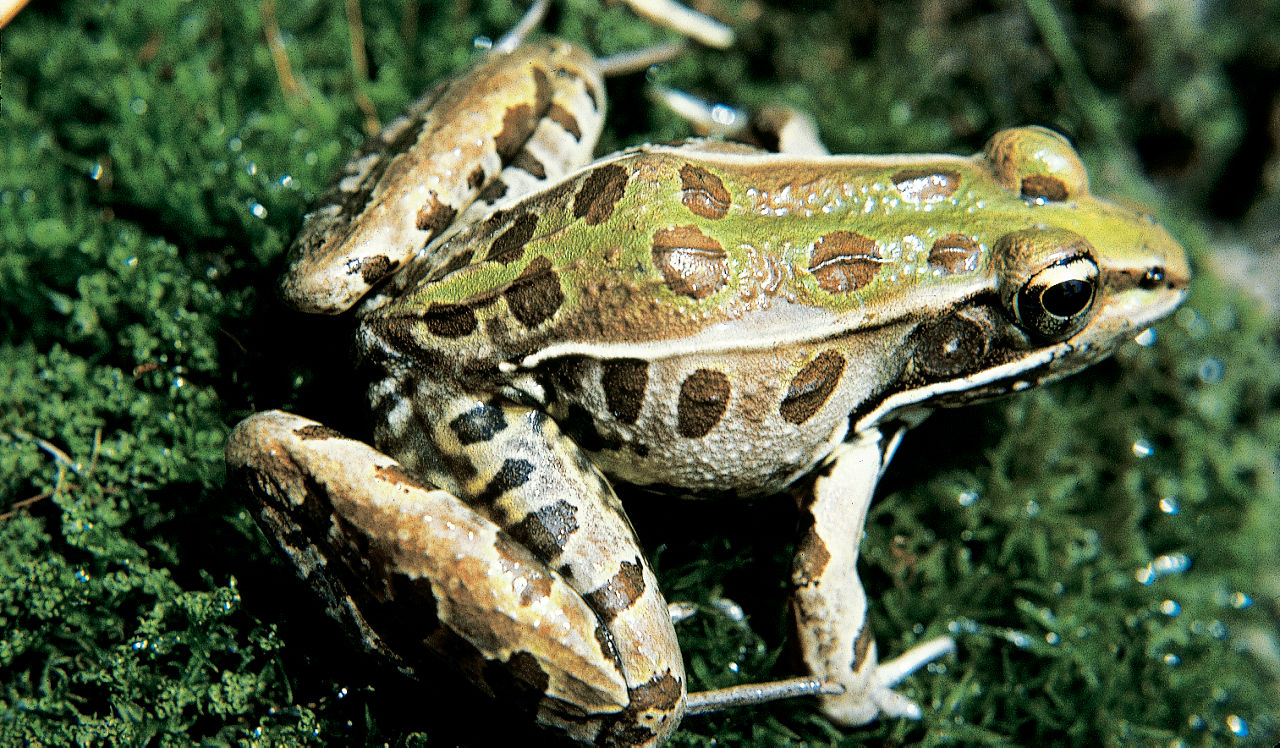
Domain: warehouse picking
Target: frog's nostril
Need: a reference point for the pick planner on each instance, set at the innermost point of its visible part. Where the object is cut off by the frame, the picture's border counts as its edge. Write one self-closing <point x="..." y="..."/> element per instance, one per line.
<point x="1154" y="278"/>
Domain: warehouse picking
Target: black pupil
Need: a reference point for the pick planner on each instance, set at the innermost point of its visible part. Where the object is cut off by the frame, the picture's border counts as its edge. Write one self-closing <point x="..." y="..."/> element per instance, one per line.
<point x="1068" y="298"/>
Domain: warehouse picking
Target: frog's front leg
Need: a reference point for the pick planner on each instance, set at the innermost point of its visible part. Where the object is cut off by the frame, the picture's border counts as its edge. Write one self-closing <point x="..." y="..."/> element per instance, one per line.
<point x="829" y="604"/>
<point x="554" y="607"/>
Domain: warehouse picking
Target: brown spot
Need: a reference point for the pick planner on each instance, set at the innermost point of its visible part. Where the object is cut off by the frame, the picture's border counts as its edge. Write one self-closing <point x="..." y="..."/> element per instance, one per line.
<point x="692" y="263"/>
<point x="399" y="476"/>
<point x="519" y="121"/>
<point x="509" y="245"/>
<point x="599" y="193"/>
<point x="565" y="119"/>
<point x="476" y="178"/>
<point x="861" y="646"/>
<point x="619" y="593"/>
<point x="457" y="262"/>
<point x="434" y="216"/>
<point x="660" y="692"/>
<point x="316" y="431"/>
<point x="536" y="294"/>
<point x="703" y="193"/>
<point x="1044" y="187"/>
<point x="926" y="185"/>
<point x="371" y="269"/>
<point x="493" y="192"/>
<point x="811" y="387"/>
<point x="449" y="320"/>
<point x="530" y="163"/>
<point x="624" y="381"/>
<point x="810" y="559"/>
<point x="704" y="397"/>
<point x="546" y="530"/>
<point x="844" y="261"/>
<point x="607" y="646"/>
<point x="955" y="253"/>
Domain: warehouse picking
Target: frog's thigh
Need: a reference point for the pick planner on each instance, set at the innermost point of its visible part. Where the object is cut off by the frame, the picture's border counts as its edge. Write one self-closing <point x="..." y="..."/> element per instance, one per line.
<point x="514" y="465"/>
<point x="829" y="603"/>
<point x="416" y="570"/>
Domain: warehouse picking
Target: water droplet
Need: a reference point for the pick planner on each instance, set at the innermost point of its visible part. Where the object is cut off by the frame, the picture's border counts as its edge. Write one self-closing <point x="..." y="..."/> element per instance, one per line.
<point x="1172" y="659"/>
<point x="1240" y="601"/>
<point x="258" y="210"/>
<point x="1145" y="575"/>
<point x="966" y="535"/>
<point x="1146" y="338"/>
<point x="1033" y="508"/>
<point x="235" y="144"/>
<point x="1196" y="722"/>
<point x="729" y="609"/>
<point x="1143" y="448"/>
<point x="967" y="498"/>
<point x="95" y="172"/>
<point x="1218" y="630"/>
<point x="342" y="692"/>
<point x="733" y="667"/>
<point x="138" y="105"/>
<point x="482" y="42"/>
<point x="1170" y="608"/>
<point x="286" y="181"/>
<point x="251" y="168"/>
<point x="1169" y="505"/>
<point x="81" y="576"/>
<point x="1237" y="726"/>
<point x="917" y="629"/>
<point x="1211" y="370"/>
<point x="1052" y="638"/>
<point x="1172" y="563"/>
<point x="1017" y="639"/>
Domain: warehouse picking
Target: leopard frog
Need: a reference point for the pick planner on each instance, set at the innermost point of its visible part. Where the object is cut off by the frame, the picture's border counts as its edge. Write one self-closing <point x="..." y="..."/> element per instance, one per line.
<point x="704" y="319"/>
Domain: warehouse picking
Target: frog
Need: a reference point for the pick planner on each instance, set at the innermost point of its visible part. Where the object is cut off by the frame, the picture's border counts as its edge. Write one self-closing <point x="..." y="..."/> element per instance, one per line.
<point x="549" y="328"/>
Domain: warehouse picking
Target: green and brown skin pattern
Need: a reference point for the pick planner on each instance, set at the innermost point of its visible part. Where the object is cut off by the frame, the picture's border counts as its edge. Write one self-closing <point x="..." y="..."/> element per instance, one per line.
<point x="672" y="294"/>
<point x="699" y="319"/>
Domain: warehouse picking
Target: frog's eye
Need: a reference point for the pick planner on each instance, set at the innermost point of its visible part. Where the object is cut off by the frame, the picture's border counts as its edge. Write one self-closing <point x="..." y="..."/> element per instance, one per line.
<point x="1037" y="163"/>
<point x="1055" y="302"/>
<point x="1048" y="280"/>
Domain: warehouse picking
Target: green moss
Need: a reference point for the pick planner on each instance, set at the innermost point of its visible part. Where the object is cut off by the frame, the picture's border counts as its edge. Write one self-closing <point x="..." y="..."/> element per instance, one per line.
<point x="153" y="169"/>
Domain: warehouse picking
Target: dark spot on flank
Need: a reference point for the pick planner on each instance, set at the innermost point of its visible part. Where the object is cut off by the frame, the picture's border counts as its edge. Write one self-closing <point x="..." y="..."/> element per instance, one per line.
<point x="317" y="431"/>
<point x="535" y="295"/>
<point x="530" y="163"/>
<point x="449" y="320"/>
<point x="844" y="261"/>
<point x="703" y="193"/>
<point x="509" y="245"/>
<point x="513" y="474"/>
<point x="954" y="254"/>
<point x="1044" y="187"/>
<point x="546" y="530"/>
<point x="493" y="192"/>
<point x="371" y="269"/>
<point x="434" y="216"/>
<point x="926" y="185"/>
<point x="811" y="387"/>
<point x="565" y="119"/>
<point x="480" y="424"/>
<point x="457" y="262"/>
<point x="580" y="426"/>
<point x="599" y="193"/>
<point x="624" y="381"/>
<point x="951" y="347"/>
<point x="476" y="178"/>
<point x="619" y="593"/>
<point x="704" y="397"/>
<point x="692" y="263"/>
<point x="526" y="670"/>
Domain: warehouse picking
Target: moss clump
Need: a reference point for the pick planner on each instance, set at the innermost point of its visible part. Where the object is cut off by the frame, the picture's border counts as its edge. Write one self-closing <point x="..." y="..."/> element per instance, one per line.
<point x="1105" y="549"/>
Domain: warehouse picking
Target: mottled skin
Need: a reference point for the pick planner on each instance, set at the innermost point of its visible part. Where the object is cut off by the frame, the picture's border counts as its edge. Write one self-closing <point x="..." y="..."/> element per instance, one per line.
<point x="700" y="319"/>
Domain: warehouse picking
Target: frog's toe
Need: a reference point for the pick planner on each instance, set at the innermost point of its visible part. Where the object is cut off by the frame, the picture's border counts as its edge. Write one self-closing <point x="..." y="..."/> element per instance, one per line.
<point x="875" y="696"/>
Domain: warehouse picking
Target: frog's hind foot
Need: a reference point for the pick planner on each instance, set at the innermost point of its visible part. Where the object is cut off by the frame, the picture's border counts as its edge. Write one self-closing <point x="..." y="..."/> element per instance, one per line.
<point x="862" y="703"/>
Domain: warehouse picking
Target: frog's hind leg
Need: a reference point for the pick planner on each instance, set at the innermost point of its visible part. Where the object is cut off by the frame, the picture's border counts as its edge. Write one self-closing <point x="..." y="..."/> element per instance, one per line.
<point x="829" y="603"/>
<point x="416" y="570"/>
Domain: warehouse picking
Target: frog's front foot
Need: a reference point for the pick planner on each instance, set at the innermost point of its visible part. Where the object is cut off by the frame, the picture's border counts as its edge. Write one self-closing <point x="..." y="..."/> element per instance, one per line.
<point x="869" y="692"/>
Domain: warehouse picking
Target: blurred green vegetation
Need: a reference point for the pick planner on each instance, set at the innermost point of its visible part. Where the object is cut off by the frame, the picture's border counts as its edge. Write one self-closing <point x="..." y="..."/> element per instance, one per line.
<point x="1105" y="550"/>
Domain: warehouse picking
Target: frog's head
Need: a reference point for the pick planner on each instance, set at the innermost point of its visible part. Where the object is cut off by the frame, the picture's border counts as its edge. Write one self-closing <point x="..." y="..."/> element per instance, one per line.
<point x="1080" y="277"/>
